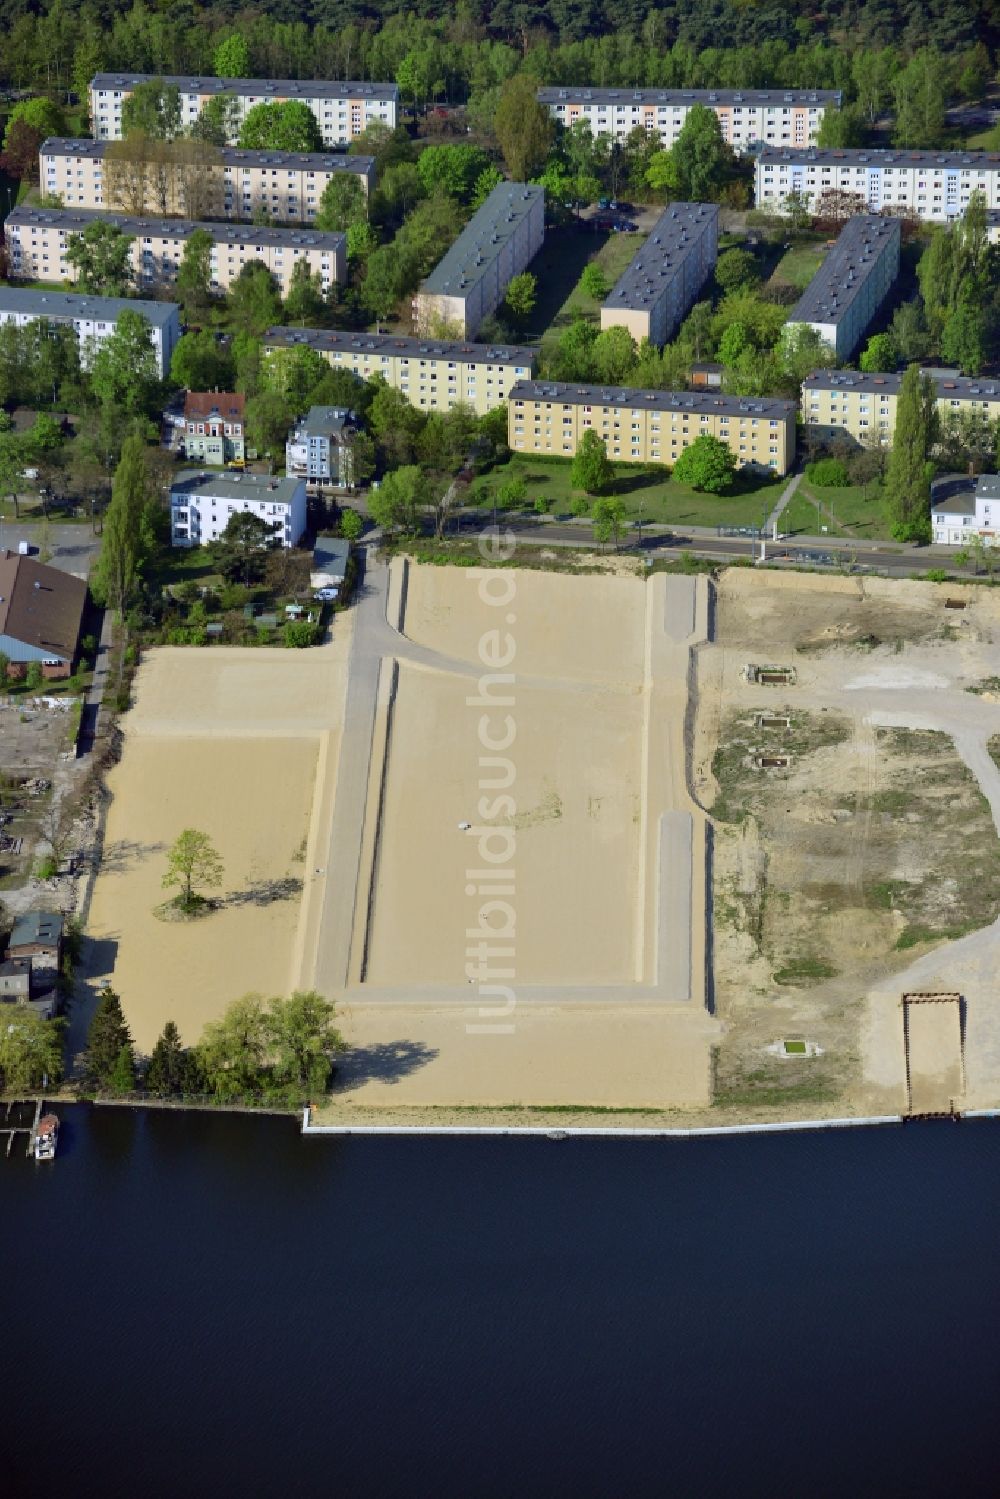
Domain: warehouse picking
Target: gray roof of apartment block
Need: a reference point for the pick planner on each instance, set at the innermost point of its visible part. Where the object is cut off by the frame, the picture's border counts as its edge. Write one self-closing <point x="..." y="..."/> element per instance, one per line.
<point x="329" y="340"/>
<point x="75" y="220"/>
<point x="62" y="304"/>
<point x="580" y="93"/>
<point x="228" y="486"/>
<point x="836" y="156"/>
<point x="323" y="421"/>
<point x="493" y="224"/>
<point x="947" y="382"/>
<point x="839" y="280"/>
<point x="962" y="502"/>
<point x="280" y="88"/>
<point x="706" y="402"/>
<point x="654" y="265"/>
<point x="230" y="156"/>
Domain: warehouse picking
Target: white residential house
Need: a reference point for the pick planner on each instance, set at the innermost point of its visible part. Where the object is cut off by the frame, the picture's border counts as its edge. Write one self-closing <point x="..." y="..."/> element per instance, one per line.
<point x="318" y="450"/>
<point x="201" y="505"/>
<point x="960" y="518"/>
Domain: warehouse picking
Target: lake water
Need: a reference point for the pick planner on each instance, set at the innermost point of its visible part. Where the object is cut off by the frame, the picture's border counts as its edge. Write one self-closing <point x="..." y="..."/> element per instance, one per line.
<point x="202" y="1305"/>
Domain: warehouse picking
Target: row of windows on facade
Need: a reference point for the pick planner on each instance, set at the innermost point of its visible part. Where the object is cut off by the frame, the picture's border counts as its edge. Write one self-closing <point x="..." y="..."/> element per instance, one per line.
<point x="616" y="452"/>
<point x="675" y="109"/>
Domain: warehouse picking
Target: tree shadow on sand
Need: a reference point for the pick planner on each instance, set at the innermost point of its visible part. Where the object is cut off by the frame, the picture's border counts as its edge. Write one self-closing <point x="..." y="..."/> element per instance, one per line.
<point x="118" y="857"/>
<point x="264" y="892"/>
<point x="382" y="1062"/>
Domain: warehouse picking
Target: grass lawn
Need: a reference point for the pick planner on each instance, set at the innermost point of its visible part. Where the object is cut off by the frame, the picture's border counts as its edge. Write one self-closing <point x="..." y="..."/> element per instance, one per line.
<point x="799" y="265"/>
<point x="646" y="490"/>
<point x="845" y="513"/>
<point x="559" y="266"/>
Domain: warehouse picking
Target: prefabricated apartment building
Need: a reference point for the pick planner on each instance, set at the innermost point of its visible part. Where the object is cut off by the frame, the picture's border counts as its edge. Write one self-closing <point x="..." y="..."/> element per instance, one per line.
<point x="852" y="283"/>
<point x="861" y="408"/>
<point x="747" y="116"/>
<point x="497" y="243"/>
<point x="931" y="185"/>
<point x="342" y="110"/>
<point x="662" y="280"/>
<point x="93" y="319"/>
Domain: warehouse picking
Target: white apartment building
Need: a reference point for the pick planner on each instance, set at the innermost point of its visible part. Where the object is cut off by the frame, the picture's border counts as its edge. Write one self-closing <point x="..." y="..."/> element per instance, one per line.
<point x="201" y="505"/>
<point x="342" y="110"/>
<point x="649" y="426"/>
<point x="845" y="404"/>
<point x="433" y="374"/>
<point x="852" y="283"/>
<point x="319" y="448"/>
<point x="781" y="117"/>
<point x="499" y="241"/>
<point x="37" y="239"/>
<point x="93" y="319"/>
<point x="993" y="225"/>
<point x="968" y="514"/>
<point x="663" y="278"/>
<point x="285" y="185"/>
<point x="931" y="185"/>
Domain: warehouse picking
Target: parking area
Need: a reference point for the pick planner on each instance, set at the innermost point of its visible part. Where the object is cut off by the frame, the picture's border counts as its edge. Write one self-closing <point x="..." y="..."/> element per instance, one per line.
<point x="71" y="548"/>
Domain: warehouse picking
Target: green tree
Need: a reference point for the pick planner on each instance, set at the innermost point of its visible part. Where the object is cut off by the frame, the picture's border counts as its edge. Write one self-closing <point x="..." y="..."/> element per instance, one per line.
<point x="254" y="299"/>
<point x="593" y="282"/>
<point x="524" y="128"/>
<point x="200" y="362"/>
<point x="872" y="73"/>
<point x="395" y="423"/>
<point x="30" y="1050"/>
<point x="351" y="524"/>
<point x="125" y="542"/>
<point x="706" y="465"/>
<point x="609" y="520"/>
<point x="700" y="157"/>
<point x="231" y="58"/>
<point x="218" y="121"/>
<point x="241" y="551"/>
<point x="879" y="356"/>
<point x="192" y="864"/>
<point x="122" y="1079"/>
<point x="613" y="354"/>
<point x="489" y="178"/>
<point x="305" y="302"/>
<point x="281" y="127"/>
<point x="303" y="1041"/>
<point x="269" y="415"/>
<point x="841" y="128"/>
<point x="233" y="1050"/>
<point x="41" y="115"/>
<point x="123" y="372"/>
<point x="106" y="1036"/>
<point x="964" y="336"/>
<point x="909" y="332"/>
<point x="591" y="470"/>
<point x="194" y="275"/>
<point x="169" y="1073"/>
<point x="383" y="283"/>
<point x="342" y="203"/>
<point x="662" y="174"/>
<point x="453" y="169"/>
<point x="921" y="95"/>
<point x="908" y="475"/>
<point x="736" y="268"/>
<point x="399" y="499"/>
<point x="153" y="109"/>
<point x="295" y="373"/>
<point x="361" y="241"/>
<point x="522" y="292"/>
<point x="102" y="257"/>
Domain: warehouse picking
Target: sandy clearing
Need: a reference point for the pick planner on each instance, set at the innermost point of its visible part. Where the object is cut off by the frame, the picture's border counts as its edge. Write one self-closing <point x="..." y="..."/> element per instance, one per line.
<point x="575" y="832"/>
<point x="612" y="1056"/>
<point x="563" y="627"/>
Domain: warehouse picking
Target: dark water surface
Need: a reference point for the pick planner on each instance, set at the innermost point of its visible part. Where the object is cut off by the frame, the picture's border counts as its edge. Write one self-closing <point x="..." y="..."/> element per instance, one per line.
<point x="200" y="1305"/>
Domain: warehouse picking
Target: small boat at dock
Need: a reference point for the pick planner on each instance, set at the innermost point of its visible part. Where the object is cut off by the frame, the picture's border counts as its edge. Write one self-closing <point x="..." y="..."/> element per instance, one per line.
<point x="46" y="1134"/>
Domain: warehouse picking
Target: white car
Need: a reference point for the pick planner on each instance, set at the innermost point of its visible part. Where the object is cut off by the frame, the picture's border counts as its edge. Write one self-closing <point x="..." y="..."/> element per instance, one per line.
<point x="326" y="594"/>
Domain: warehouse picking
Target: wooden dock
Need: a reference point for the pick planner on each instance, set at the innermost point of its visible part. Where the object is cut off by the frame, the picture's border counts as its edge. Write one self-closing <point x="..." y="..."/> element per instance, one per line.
<point x="12" y="1130"/>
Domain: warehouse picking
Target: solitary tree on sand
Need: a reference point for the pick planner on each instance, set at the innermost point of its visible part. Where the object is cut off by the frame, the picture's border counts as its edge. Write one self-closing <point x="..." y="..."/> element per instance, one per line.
<point x="192" y="861"/>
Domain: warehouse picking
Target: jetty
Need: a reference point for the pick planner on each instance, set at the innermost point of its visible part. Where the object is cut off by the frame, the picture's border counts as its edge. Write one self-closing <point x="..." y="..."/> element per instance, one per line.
<point x="17" y="1128"/>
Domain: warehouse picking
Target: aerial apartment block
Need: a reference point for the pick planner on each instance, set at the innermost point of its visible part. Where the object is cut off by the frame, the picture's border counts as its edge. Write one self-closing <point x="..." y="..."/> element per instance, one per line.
<point x="37" y="239"/>
<point x="852" y="283"/>
<point x="844" y="404"/>
<point x="993" y="225"/>
<point x="649" y="426"/>
<point x="663" y="278"/>
<point x="93" y="319"/>
<point x="434" y="374"/>
<point x="782" y="117"/>
<point x="212" y="182"/>
<point x="931" y="185"/>
<point x="202" y="504"/>
<point x="342" y="110"/>
<point x="958" y="518"/>
<point x="497" y="243"/>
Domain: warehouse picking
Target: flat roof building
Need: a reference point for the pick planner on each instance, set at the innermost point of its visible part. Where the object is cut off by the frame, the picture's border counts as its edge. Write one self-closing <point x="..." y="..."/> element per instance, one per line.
<point x="93" y="318"/>
<point x="212" y="182"/>
<point x="840" y="405"/>
<point x="747" y="116"/>
<point x="498" y="242"/>
<point x="434" y="374"/>
<point x="663" y="278"/>
<point x="649" y="426"/>
<point x="37" y="239"/>
<point x="342" y="110"/>
<point x="852" y="283"/>
<point x="201" y="505"/>
<point x="931" y="185"/>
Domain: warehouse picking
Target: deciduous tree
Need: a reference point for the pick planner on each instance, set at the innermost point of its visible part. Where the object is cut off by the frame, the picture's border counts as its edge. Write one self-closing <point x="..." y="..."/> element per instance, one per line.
<point x="193" y="864"/>
<point x="591" y="470"/>
<point x="908" y="476"/>
<point x="231" y="58"/>
<point x="706" y="465"/>
<point x="342" y="203"/>
<point x="281" y="127"/>
<point x="30" y="1050"/>
<point x="102" y="257"/>
<point x="523" y="127"/>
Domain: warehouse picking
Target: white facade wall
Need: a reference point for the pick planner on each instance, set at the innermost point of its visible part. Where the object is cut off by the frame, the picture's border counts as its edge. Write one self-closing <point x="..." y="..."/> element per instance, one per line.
<point x="200" y="515"/>
<point x="934" y="186"/>
<point x="92" y="328"/>
<point x="782" y="117"/>
<point x="342" y="111"/>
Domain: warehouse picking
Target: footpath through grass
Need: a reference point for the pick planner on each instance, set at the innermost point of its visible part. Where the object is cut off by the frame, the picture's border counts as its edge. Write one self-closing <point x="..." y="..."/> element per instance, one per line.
<point x="647" y="490"/>
<point x="849" y="514"/>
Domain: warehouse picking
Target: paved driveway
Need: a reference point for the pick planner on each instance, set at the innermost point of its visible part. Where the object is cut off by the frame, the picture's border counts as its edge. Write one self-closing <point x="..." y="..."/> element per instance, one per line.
<point x="72" y="547"/>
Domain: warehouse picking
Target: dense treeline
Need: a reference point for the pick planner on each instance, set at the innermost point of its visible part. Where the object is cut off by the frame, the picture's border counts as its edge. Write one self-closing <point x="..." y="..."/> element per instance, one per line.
<point x="607" y="42"/>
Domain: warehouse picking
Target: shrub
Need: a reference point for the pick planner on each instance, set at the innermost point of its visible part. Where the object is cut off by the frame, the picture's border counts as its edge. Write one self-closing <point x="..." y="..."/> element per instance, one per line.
<point x="828" y="473"/>
<point x="299" y="633"/>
